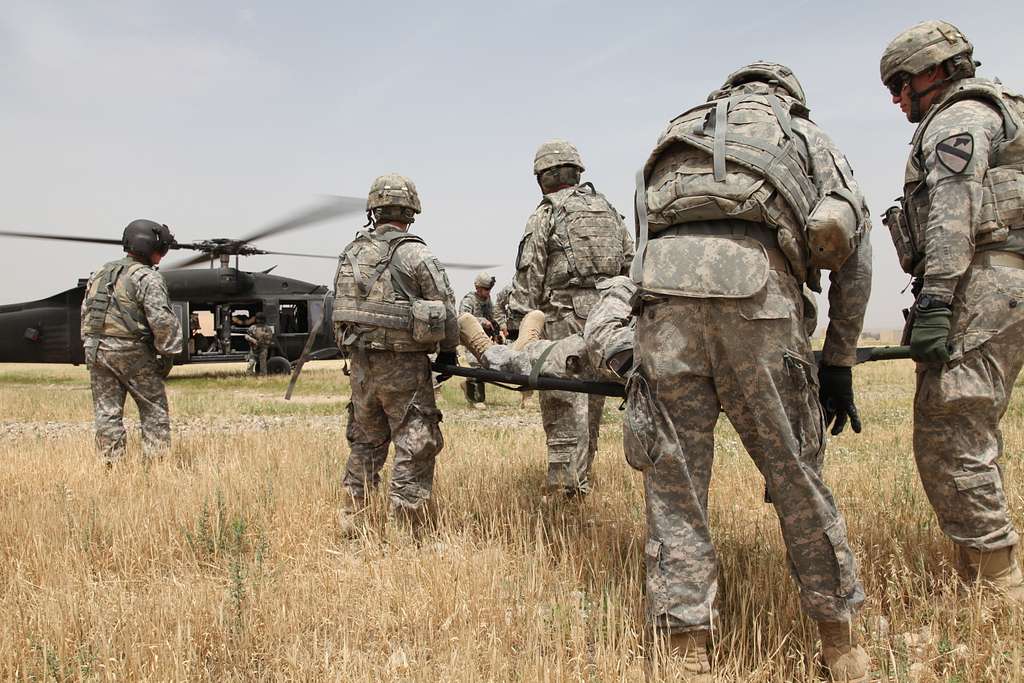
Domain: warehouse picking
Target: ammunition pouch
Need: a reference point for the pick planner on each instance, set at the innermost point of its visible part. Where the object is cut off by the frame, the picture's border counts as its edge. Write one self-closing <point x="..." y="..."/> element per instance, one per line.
<point x="1002" y="204"/>
<point x="428" y="318"/>
<point x="833" y="229"/>
<point x="896" y="220"/>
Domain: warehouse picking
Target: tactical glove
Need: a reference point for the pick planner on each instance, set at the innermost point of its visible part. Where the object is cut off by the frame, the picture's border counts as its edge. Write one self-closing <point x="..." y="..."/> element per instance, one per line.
<point x="836" y="395"/>
<point x="165" y="363"/>
<point x="446" y="358"/>
<point x="929" y="337"/>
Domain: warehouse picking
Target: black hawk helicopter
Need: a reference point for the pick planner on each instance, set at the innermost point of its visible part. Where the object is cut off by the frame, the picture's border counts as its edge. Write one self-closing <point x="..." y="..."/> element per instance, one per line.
<point x="215" y="305"/>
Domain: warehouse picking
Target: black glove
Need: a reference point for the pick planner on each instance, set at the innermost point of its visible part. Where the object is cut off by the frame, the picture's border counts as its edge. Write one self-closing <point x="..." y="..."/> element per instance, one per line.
<point x="836" y="395"/>
<point x="929" y="337"/>
<point x="165" y="363"/>
<point x="446" y="358"/>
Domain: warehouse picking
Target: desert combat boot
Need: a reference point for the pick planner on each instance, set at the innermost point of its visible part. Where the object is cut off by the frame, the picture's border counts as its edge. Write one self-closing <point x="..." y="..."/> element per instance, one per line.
<point x="472" y="335"/>
<point x="351" y="515"/>
<point x="530" y="330"/>
<point x="998" y="568"/>
<point x="841" y="656"/>
<point x="688" y="650"/>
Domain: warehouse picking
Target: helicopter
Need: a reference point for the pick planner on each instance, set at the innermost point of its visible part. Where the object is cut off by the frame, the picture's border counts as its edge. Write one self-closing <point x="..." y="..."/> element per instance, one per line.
<point x="215" y="305"/>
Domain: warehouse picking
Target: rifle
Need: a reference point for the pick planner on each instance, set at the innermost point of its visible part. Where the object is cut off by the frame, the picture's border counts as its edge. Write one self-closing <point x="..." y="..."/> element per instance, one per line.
<point x="865" y="354"/>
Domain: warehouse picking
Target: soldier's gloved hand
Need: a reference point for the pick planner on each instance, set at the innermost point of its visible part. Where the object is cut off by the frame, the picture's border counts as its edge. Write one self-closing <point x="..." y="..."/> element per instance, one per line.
<point x="165" y="364"/>
<point x="446" y="358"/>
<point x="836" y="395"/>
<point x="929" y="337"/>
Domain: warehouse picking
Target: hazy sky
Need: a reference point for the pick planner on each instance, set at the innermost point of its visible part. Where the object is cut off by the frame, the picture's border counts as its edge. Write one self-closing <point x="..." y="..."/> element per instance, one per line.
<point x="218" y="118"/>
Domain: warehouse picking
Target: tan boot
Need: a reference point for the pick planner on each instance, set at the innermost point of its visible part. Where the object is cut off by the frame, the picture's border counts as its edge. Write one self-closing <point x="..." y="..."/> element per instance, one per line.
<point x="687" y="650"/>
<point x="841" y="656"/>
<point x="530" y="330"/>
<point x="472" y="335"/>
<point x="998" y="567"/>
<point x="351" y="515"/>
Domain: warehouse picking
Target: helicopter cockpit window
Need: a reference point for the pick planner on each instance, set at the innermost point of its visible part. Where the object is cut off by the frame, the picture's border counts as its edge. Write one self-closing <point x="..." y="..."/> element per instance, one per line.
<point x="293" y="317"/>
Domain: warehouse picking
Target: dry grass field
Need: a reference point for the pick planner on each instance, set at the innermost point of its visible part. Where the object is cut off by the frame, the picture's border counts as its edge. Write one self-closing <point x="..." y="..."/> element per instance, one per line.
<point x="222" y="562"/>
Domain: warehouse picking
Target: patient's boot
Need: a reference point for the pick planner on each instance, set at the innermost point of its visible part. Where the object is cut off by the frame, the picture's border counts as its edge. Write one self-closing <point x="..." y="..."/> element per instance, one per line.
<point x="472" y="335"/>
<point x="530" y="330"/>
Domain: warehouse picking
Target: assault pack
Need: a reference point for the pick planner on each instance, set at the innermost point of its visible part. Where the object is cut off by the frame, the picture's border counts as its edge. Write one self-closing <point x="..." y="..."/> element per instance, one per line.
<point x="111" y="307"/>
<point x="375" y="305"/>
<point x="588" y="230"/>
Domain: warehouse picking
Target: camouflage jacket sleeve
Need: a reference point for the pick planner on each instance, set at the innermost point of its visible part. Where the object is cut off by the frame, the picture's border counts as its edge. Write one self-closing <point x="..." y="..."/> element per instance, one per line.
<point x="531" y="265"/>
<point x="501" y="306"/>
<point x="850" y="286"/>
<point x="467" y="305"/>
<point x="954" y="190"/>
<point x="85" y="298"/>
<point x="628" y="249"/>
<point x="427" y="274"/>
<point x="156" y="304"/>
<point x="609" y="329"/>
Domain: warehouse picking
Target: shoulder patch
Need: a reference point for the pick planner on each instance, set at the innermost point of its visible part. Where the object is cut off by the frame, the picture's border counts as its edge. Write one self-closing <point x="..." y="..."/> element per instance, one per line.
<point x="955" y="152"/>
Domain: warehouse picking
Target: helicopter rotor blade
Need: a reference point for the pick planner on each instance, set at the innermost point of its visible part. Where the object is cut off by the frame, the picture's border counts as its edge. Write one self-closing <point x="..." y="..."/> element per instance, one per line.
<point x="190" y="261"/>
<point x="468" y="266"/>
<point x="61" y="238"/>
<point x="332" y="207"/>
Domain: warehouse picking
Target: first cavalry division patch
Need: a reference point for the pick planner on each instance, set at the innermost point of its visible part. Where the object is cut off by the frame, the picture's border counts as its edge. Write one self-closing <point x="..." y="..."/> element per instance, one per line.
<point x="955" y="152"/>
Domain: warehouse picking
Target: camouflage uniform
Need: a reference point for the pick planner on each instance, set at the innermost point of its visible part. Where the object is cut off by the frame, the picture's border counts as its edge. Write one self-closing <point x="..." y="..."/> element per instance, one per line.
<point x="501" y="312"/>
<point x="125" y="324"/>
<point x="482" y="310"/>
<point x="548" y="278"/>
<point x="744" y="351"/>
<point x="392" y="389"/>
<point x="963" y="241"/>
<point x="260" y="337"/>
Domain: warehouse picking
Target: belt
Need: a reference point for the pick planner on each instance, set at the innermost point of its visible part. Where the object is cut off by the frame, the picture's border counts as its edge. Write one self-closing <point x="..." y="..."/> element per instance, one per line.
<point x="735" y="228"/>
<point x="1007" y="259"/>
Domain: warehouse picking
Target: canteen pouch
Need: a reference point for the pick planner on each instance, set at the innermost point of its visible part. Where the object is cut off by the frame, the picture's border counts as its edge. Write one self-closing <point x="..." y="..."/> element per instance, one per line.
<point x="705" y="266"/>
<point x="899" y="229"/>
<point x="1002" y="204"/>
<point x="832" y="230"/>
<point x="428" y="318"/>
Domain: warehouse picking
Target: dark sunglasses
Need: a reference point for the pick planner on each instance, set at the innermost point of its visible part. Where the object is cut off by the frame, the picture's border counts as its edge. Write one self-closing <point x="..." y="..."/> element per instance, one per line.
<point x="897" y="83"/>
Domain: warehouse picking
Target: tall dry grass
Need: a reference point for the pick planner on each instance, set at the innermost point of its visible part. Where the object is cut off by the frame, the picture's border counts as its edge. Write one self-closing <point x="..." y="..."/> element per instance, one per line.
<point x="222" y="562"/>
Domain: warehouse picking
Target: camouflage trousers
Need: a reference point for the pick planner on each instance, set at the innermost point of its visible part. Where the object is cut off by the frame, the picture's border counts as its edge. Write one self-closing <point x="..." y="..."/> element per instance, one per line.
<point x="113" y="375"/>
<point x="958" y="407"/>
<point x="751" y="357"/>
<point x="257" y="360"/>
<point x="392" y="402"/>
<point x="572" y="421"/>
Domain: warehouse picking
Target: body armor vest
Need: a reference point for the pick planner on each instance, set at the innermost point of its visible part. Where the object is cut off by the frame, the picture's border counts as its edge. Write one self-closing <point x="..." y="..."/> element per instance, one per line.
<point x="112" y="308"/>
<point x="1002" y="206"/>
<point x="737" y="152"/>
<point x="586" y="243"/>
<point x="263" y="334"/>
<point x="372" y="300"/>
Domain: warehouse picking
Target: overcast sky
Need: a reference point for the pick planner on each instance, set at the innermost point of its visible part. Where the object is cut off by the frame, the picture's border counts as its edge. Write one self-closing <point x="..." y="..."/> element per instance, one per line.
<point x="219" y="118"/>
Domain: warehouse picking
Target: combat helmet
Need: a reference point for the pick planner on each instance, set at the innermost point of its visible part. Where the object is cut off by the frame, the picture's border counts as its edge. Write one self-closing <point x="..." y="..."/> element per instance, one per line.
<point x="392" y="197"/>
<point x="767" y="72"/>
<point x="485" y="280"/>
<point x="143" y="237"/>
<point x="923" y="46"/>
<point x="556" y="153"/>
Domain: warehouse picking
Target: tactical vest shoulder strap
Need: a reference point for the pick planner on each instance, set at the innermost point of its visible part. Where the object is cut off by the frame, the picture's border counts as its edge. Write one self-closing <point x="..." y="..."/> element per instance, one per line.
<point x="972" y="89"/>
<point x="398" y="279"/>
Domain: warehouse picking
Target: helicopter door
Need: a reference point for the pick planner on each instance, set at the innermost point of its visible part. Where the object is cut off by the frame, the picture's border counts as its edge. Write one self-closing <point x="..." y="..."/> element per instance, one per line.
<point x="180" y="309"/>
<point x="293" y="326"/>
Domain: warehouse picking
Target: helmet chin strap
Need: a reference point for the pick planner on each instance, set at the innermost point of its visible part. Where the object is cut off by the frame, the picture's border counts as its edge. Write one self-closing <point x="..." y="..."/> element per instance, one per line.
<point x="915" y="98"/>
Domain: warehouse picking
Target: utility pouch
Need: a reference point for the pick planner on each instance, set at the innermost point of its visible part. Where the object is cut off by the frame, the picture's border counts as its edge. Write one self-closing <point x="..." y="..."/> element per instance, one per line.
<point x="899" y="229"/>
<point x="832" y="230"/>
<point x="428" y="318"/>
<point x="1002" y="204"/>
<point x="705" y="266"/>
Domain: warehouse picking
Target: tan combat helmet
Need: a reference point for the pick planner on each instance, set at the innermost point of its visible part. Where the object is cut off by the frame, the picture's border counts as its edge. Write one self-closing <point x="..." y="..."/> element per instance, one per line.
<point x="393" y="197"/>
<point x="923" y="46"/>
<point x="770" y="73"/>
<point x="485" y="280"/>
<point x="556" y="153"/>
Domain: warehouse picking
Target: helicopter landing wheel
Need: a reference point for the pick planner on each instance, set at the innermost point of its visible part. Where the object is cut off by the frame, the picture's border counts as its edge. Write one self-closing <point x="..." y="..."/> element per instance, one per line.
<point x="278" y="365"/>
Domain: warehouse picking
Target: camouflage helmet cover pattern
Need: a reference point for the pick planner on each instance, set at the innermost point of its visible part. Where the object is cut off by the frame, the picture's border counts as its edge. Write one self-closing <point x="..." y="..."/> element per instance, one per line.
<point x="556" y="153"/>
<point x="485" y="280"/>
<point x="392" y="189"/>
<point x="767" y="72"/>
<point x="921" y="47"/>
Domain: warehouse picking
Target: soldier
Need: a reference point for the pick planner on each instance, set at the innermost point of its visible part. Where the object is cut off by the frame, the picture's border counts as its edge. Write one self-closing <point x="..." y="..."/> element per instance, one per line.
<point x="742" y="200"/>
<point x="574" y="238"/>
<point x="958" y="233"/>
<point x="130" y="336"/>
<point x="478" y="304"/>
<point x="261" y="338"/>
<point x="392" y="307"/>
<point x="501" y="313"/>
